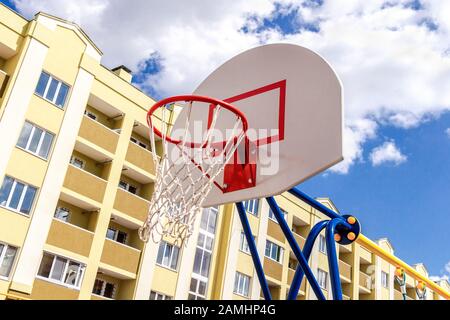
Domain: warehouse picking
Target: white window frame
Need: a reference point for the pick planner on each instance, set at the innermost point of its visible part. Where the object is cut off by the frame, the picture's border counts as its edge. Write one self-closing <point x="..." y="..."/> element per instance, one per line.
<point x="62" y="209"/>
<point x="22" y="197"/>
<point x="272" y="215"/>
<point x="384" y="279"/>
<point x="74" y="159"/>
<point x="41" y="141"/>
<point x="161" y="264"/>
<point x="322" y="279"/>
<point x="78" y="279"/>
<point x="91" y="115"/>
<point x="273" y="246"/>
<point x="243" y="244"/>
<point x="196" y="294"/>
<point x="116" y="235"/>
<point x="127" y="187"/>
<point x="322" y="244"/>
<point x="139" y="143"/>
<point x="58" y="88"/>
<point x="102" y="291"/>
<point x="252" y="207"/>
<point x="159" y="294"/>
<point x="2" y="257"/>
<point x="240" y="280"/>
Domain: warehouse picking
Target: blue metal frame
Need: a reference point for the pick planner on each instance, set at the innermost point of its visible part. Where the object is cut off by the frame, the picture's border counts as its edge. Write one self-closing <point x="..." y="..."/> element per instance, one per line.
<point x="337" y="225"/>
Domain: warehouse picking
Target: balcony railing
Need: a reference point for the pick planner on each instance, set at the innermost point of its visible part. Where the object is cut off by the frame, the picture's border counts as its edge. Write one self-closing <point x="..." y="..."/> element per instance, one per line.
<point x="273" y="269"/>
<point x="291" y="274"/>
<point x="131" y="204"/>
<point x="140" y="157"/>
<point x="99" y="134"/>
<point x="300" y="240"/>
<point x="345" y="269"/>
<point x="85" y="183"/>
<point x="121" y="256"/>
<point x="70" y="237"/>
<point x="365" y="281"/>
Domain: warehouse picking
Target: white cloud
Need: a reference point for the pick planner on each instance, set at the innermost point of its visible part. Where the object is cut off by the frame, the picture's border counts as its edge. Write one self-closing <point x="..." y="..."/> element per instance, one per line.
<point x="445" y="273"/>
<point x="394" y="68"/>
<point x="387" y="153"/>
<point x="448" y="132"/>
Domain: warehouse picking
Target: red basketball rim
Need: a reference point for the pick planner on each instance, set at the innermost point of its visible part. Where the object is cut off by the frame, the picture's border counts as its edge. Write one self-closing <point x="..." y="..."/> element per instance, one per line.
<point x="194" y="98"/>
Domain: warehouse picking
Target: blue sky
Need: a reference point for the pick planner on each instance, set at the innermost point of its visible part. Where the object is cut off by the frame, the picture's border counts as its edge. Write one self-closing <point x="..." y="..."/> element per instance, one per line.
<point x="393" y="59"/>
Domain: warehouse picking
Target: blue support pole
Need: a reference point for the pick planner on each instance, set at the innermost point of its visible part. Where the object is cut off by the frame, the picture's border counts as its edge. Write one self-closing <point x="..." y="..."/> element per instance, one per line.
<point x="309" y="244"/>
<point x="253" y="250"/>
<point x="333" y="260"/>
<point x="295" y="248"/>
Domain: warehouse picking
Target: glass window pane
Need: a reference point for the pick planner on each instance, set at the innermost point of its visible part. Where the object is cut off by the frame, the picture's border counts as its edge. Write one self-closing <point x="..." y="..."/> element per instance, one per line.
<point x="98" y="285"/>
<point x="202" y="288"/>
<point x="62" y="214"/>
<point x="60" y="101"/>
<point x="46" y="144"/>
<point x="153" y="295"/>
<point x="25" y="135"/>
<point x="122" y="237"/>
<point x="201" y="240"/>
<point x="167" y="254"/>
<point x="35" y="139"/>
<point x="52" y="89"/>
<point x="58" y="269"/>
<point x="109" y="290"/>
<point x="204" y="222"/>
<point x="110" y="234"/>
<point x="42" y="83"/>
<point x="28" y="200"/>
<point x="17" y="193"/>
<point x="236" y="283"/>
<point x="212" y="222"/>
<point x="198" y="260"/>
<point x="46" y="265"/>
<point x="193" y="286"/>
<point x="159" y="259"/>
<point x="5" y="190"/>
<point x="205" y="264"/>
<point x="174" y="261"/>
<point x="8" y="260"/>
<point x="209" y="243"/>
<point x="1" y="249"/>
<point x="71" y="273"/>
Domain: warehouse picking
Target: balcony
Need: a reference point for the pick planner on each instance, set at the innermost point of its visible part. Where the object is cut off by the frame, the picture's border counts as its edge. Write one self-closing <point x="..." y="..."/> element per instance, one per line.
<point x="141" y="158"/>
<point x="70" y="237"/>
<point x="397" y="295"/>
<point x="45" y="290"/>
<point x="291" y="274"/>
<point x="365" y="281"/>
<point x="85" y="183"/>
<point x="132" y="205"/>
<point x="345" y="270"/>
<point x="121" y="256"/>
<point x="98" y="134"/>
<point x="300" y="240"/>
<point x="273" y="269"/>
<point x="274" y="231"/>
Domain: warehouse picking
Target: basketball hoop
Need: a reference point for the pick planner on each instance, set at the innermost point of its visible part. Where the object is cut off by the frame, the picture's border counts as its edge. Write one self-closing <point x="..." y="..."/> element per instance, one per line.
<point x="188" y="162"/>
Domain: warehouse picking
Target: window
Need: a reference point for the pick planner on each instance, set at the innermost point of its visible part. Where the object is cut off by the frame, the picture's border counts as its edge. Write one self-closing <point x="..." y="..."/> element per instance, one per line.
<point x="274" y="251"/>
<point x="384" y="279"/>
<point x="168" y="255"/>
<point x="197" y="289"/>
<point x="117" y="235"/>
<point x="139" y="143"/>
<point x="322" y="244"/>
<point x="251" y="206"/>
<point x="293" y="264"/>
<point x="128" y="187"/>
<point x="243" y="245"/>
<point x="52" y="90"/>
<point x="90" y="115"/>
<point x="322" y="277"/>
<point x="16" y="195"/>
<point x="7" y="255"/>
<point x="61" y="270"/>
<point x="241" y="284"/>
<point x="203" y="253"/>
<point x="272" y="215"/>
<point x="35" y="140"/>
<point x="62" y="214"/>
<point x="159" y="296"/>
<point x="77" y="162"/>
<point x="104" y="289"/>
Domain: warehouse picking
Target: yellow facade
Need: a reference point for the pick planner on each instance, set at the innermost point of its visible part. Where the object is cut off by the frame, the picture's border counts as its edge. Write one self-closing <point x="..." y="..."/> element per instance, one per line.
<point x="77" y="237"/>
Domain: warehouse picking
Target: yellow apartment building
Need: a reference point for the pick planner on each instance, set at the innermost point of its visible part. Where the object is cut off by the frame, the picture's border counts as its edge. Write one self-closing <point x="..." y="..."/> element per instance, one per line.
<point x="76" y="176"/>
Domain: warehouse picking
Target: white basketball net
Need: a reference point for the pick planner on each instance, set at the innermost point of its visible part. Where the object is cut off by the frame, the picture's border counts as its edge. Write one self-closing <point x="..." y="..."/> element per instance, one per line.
<point x="185" y="176"/>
